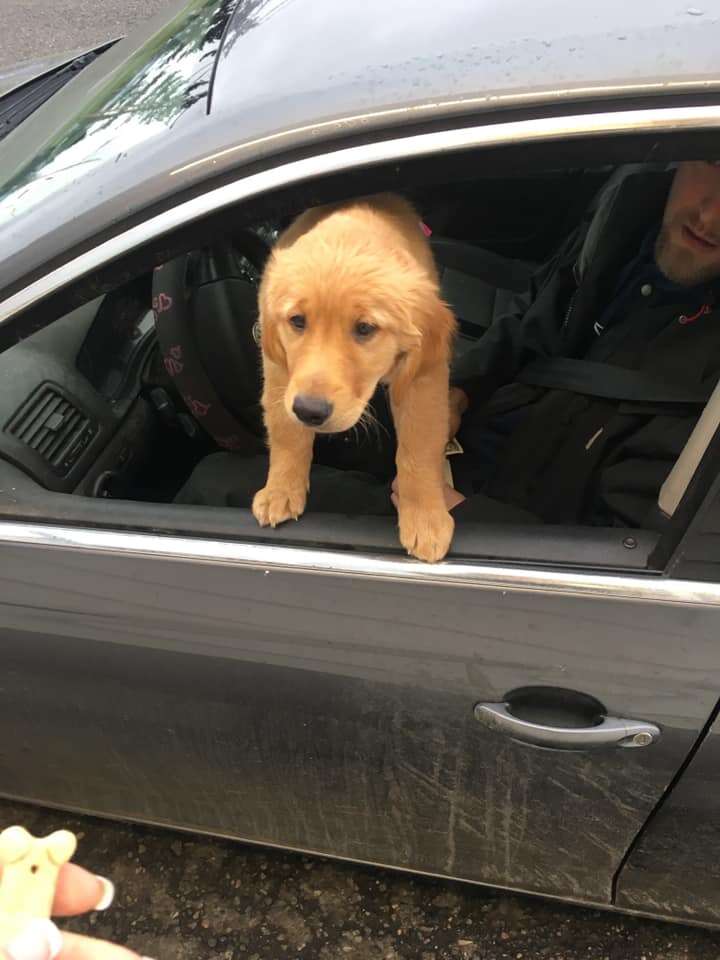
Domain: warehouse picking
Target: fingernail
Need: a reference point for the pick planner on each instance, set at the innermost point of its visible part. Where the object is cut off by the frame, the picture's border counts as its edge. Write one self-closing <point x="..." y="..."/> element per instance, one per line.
<point x="39" y="940"/>
<point x="108" y="894"/>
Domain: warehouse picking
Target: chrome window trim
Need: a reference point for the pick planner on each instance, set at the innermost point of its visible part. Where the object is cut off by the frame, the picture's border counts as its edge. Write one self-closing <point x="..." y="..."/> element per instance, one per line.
<point x="656" y="120"/>
<point x="270" y="559"/>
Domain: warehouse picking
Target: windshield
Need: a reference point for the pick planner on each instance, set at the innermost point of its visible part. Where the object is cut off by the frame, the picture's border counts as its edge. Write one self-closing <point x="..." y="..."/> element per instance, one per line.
<point x="149" y="93"/>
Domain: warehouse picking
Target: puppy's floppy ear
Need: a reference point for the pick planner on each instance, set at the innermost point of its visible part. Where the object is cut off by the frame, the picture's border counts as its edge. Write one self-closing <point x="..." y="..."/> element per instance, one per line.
<point x="271" y="345"/>
<point x="439" y="327"/>
<point x="431" y="322"/>
<point x="436" y="325"/>
<point x="406" y="291"/>
<point x="267" y="297"/>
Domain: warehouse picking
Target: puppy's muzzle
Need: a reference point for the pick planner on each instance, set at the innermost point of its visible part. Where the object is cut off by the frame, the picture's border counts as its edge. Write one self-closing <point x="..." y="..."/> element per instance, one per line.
<point x="312" y="411"/>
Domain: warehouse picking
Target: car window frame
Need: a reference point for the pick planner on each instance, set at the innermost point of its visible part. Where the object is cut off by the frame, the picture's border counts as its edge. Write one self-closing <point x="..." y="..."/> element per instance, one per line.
<point x="181" y="216"/>
<point x="343" y="159"/>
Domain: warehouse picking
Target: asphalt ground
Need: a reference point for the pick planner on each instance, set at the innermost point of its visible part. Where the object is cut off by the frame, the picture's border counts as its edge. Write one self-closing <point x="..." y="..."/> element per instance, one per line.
<point x="34" y="29"/>
<point x="182" y="897"/>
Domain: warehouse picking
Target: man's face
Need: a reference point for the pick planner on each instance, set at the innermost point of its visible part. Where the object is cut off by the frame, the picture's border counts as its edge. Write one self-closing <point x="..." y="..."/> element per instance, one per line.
<point x="688" y="247"/>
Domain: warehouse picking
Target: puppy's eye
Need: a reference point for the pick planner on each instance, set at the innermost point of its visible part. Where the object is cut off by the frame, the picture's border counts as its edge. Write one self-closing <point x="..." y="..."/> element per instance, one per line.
<point x="364" y="330"/>
<point x="297" y="321"/>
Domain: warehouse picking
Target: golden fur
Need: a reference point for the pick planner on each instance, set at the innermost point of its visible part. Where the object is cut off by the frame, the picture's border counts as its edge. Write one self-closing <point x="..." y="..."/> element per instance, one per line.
<point x="365" y="262"/>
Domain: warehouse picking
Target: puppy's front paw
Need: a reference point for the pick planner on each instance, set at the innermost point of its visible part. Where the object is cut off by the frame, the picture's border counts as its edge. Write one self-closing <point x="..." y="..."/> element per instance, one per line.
<point x="426" y="534"/>
<point x="274" y="505"/>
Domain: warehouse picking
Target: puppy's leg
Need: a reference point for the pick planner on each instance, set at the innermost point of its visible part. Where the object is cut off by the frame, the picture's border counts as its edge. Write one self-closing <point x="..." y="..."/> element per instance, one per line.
<point x="291" y="445"/>
<point x="420" y="411"/>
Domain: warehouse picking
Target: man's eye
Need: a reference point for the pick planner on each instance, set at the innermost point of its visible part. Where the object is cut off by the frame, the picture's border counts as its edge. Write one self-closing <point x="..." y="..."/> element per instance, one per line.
<point x="297" y="321"/>
<point x="364" y="330"/>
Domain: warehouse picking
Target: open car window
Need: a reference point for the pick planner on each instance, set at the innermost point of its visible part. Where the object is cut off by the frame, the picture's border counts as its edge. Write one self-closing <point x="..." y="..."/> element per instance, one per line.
<point x="103" y="423"/>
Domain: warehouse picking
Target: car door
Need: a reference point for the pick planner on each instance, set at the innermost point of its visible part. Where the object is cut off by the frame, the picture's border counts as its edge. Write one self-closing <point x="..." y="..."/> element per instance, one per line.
<point x="508" y="724"/>
<point x="673" y="868"/>
<point x="329" y="703"/>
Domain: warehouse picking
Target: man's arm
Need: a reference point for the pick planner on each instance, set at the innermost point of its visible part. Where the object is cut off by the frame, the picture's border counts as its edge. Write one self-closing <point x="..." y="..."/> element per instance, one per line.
<point x="629" y="483"/>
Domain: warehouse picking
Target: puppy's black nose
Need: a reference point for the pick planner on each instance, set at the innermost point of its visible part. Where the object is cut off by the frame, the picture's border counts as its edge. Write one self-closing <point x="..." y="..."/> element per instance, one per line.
<point x="312" y="411"/>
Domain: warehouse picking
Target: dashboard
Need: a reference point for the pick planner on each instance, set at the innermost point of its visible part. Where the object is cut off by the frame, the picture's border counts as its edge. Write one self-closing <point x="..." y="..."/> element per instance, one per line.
<point x="67" y="388"/>
<point x="72" y="407"/>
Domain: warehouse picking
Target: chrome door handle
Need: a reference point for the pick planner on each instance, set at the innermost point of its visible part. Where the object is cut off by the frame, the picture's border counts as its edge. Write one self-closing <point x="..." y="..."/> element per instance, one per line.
<point x="611" y="732"/>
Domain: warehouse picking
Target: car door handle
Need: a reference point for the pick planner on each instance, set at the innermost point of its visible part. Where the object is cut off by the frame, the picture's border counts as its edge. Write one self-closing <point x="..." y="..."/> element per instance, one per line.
<point x="610" y="732"/>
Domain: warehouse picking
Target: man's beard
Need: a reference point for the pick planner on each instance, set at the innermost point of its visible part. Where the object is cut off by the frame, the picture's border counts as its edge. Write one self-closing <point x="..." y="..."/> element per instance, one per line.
<point x="679" y="264"/>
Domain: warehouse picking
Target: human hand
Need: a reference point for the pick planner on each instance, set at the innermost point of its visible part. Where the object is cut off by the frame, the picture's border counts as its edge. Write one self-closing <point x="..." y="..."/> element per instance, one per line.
<point x="452" y="496"/>
<point x="77" y="892"/>
<point x="459" y="402"/>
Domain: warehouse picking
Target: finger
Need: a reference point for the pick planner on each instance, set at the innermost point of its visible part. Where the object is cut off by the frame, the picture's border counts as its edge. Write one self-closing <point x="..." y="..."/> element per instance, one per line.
<point x="453" y="498"/>
<point x="394" y="485"/>
<point x="37" y="940"/>
<point x="77" y="947"/>
<point x="78" y="891"/>
<point x="41" y="940"/>
<point x="394" y="498"/>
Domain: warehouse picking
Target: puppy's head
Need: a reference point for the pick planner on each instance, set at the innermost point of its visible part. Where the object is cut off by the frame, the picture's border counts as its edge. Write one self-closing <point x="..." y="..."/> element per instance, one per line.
<point x="340" y="319"/>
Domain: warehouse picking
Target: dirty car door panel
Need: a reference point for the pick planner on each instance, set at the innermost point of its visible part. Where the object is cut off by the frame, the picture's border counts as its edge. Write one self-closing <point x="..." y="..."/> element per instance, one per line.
<point x="674" y="869"/>
<point x="335" y="713"/>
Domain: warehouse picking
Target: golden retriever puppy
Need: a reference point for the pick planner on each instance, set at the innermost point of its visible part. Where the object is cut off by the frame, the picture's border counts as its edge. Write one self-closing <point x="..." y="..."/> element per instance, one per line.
<point x="350" y="299"/>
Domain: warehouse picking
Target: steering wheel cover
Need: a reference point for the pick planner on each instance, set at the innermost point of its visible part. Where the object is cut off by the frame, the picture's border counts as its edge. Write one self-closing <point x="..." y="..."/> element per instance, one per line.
<point x="172" y="306"/>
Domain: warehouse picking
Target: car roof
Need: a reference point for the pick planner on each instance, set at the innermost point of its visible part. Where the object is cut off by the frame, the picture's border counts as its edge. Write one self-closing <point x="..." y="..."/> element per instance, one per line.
<point x="211" y="85"/>
<point x="295" y="64"/>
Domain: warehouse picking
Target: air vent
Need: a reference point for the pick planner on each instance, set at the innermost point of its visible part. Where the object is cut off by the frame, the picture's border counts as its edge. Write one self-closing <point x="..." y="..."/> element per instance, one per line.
<point x="53" y="427"/>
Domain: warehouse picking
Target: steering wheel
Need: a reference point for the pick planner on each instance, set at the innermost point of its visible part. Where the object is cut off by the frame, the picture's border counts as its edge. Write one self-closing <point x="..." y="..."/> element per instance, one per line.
<point x="205" y="306"/>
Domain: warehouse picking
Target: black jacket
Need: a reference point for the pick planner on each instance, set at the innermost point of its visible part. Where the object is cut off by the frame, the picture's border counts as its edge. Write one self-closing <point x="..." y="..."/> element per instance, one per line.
<point x="579" y="457"/>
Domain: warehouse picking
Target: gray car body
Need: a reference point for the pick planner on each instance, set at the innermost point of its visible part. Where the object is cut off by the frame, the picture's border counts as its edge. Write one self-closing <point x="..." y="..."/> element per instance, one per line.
<point x="317" y="699"/>
<point x="246" y="83"/>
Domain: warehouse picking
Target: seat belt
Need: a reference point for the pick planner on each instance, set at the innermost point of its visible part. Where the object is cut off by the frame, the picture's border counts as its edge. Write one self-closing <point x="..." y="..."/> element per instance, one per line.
<point x="610" y="382"/>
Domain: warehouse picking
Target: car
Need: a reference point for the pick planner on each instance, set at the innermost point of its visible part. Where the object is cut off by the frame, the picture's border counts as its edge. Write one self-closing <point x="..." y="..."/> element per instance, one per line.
<point x="538" y="713"/>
